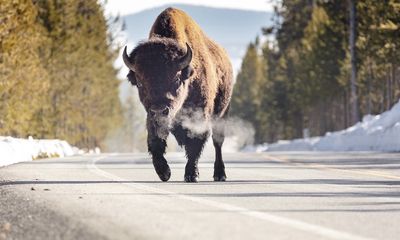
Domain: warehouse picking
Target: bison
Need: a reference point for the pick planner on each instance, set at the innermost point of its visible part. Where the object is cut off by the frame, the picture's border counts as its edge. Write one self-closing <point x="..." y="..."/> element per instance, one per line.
<point x="182" y="75"/>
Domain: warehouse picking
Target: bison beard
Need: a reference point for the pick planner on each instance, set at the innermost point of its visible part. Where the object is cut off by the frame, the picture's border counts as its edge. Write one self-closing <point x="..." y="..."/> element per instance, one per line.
<point x="185" y="83"/>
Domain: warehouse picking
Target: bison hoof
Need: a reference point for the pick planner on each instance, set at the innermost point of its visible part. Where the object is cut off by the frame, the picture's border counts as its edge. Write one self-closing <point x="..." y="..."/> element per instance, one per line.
<point x="191" y="178"/>
<point x="164" y="176"/>
<point x="221" y="178"/>
<point x="163" y="171"/>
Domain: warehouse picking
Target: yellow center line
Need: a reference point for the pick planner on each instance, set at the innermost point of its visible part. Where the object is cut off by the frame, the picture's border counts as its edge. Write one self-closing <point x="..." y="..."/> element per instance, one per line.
<point x="325" y="167"/>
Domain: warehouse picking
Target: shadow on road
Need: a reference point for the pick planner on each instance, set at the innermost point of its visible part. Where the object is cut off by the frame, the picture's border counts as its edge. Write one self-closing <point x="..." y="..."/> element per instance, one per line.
<point x="230" y="182"/>
<point x="357" y="195"/>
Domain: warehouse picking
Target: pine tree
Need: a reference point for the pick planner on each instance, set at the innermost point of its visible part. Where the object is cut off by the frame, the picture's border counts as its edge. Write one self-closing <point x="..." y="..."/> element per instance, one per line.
<point x="246" y="100"/>
<point x="24" y="81"/>
<point x="84" y="89"/>
<point x="308" y="67"/>
<point x="57" y="78"/>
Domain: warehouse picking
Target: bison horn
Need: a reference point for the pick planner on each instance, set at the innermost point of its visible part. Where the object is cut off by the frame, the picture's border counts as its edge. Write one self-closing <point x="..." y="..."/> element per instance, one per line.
<point x="127" y="61"/>
<point x="185" y="60"/>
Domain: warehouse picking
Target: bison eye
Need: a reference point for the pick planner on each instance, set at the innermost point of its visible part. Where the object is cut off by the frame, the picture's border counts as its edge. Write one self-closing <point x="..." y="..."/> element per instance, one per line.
<point x="139" y="84"/>
<point x="187" y="73"/>
<point x="177" y="82"/>
<point x="178" y="79"/>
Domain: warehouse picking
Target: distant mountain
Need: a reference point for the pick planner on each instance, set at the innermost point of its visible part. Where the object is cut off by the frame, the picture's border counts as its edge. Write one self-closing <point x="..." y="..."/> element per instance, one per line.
<point x="231" y="28"/>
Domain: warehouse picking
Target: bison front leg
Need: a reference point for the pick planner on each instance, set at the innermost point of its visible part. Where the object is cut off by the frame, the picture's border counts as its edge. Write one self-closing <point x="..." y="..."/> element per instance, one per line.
<point x="193" y="147"/>
<point x="156" y="147"/>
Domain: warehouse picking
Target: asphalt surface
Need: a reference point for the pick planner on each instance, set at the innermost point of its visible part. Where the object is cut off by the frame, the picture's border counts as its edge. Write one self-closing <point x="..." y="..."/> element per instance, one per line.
<point x="266" y="196"/>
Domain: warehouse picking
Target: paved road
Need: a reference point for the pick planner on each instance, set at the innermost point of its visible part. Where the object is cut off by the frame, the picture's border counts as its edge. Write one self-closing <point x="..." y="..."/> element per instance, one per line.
<point x="267" y="196"/>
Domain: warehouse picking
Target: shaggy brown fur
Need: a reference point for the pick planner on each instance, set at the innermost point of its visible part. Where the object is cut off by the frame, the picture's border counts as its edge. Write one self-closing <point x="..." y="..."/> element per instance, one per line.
<point x="213" y="71"/>
<point x="171" y="95"/>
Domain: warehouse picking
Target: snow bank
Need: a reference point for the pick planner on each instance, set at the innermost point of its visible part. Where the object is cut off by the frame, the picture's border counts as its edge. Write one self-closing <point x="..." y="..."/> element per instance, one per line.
<point x="13" y="150"/>
<point x="373" y="133"/>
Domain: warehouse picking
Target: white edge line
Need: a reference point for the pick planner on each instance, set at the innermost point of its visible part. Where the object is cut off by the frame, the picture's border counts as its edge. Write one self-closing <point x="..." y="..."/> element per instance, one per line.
<point x="296" y="224"/>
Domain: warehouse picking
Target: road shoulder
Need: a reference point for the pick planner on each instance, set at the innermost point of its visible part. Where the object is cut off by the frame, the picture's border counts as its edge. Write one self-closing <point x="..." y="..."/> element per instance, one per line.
<point x="24" y="218"/>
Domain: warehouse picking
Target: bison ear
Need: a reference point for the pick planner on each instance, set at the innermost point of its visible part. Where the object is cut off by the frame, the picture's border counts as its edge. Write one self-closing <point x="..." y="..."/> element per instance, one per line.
<point x="187" y="72"/>
<point x="131" y="78"/>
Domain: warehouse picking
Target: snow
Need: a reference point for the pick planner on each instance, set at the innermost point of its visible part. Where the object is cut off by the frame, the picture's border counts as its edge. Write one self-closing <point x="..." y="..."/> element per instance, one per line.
<point x="373" y="133"/>
<point x="14" y="150"/>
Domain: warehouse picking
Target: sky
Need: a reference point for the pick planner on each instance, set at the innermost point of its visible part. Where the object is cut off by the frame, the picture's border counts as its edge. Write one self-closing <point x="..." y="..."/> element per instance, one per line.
<point x="124" y="7"/>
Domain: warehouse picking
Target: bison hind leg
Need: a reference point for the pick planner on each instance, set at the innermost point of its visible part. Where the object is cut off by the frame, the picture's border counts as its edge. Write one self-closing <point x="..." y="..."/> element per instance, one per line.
<point x="219" y="167"/>
<point x="218" y="137"/>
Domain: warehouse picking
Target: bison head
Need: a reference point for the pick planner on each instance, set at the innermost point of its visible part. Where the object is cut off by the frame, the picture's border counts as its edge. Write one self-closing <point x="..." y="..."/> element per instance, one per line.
<point x="160" y="68"/>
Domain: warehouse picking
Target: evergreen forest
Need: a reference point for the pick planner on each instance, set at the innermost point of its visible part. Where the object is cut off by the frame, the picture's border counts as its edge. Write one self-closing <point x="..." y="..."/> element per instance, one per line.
<point x="295" y="80"/>
<point x="57" y="78"/>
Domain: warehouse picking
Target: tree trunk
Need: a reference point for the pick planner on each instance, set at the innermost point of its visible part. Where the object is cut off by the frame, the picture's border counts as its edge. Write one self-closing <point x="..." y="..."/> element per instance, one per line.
<point x="393" y="83"/>
<point x="353" y="79"/>
<point x="369" y="82"/>
<point x="346" y="109"/>
<point x="388" y="90"/>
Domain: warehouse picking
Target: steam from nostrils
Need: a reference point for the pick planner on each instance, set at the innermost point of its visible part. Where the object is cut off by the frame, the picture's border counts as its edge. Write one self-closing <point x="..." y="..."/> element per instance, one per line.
<point x="238" y="133"/>
<point x="132" y="137"/>
<point x="194" y="121"/>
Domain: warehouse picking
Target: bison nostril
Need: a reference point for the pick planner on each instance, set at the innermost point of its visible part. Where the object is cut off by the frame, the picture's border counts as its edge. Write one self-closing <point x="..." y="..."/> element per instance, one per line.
<point x="159" y="112"/>
<point x="166" y="111"/>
